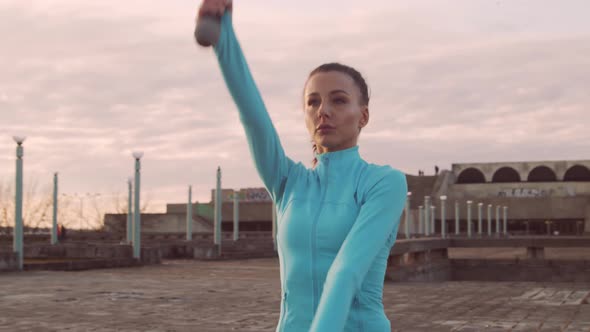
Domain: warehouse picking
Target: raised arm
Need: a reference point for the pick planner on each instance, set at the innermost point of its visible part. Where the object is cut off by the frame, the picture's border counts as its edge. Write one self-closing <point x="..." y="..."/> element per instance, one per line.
<point x="268" y="154"/>
<point x="375" y="227"/>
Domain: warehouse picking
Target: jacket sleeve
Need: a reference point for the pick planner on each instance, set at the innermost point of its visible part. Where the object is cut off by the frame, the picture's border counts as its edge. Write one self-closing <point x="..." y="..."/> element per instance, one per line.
<point x="375" y="227"/>
<point x="269" y="158"/>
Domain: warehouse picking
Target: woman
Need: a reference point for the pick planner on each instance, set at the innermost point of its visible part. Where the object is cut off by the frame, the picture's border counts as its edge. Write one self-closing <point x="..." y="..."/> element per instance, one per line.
<point x="338" y="220"/>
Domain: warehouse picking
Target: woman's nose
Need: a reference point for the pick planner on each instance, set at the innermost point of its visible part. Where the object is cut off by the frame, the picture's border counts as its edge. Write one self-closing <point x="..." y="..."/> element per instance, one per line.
<point x="324" y="110"/>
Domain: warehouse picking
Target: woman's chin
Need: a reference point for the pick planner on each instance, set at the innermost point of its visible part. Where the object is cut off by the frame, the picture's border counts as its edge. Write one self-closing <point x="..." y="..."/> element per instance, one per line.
<point x="326" y="145"/>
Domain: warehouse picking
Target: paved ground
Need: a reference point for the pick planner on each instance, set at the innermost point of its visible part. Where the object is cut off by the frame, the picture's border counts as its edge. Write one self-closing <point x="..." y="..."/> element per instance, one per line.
<point x="244" y="296"/>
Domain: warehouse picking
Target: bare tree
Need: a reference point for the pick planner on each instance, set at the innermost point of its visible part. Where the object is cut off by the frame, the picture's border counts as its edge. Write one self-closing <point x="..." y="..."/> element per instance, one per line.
<point x="6" y="206"/>
<point x="38" y="207"/>
<point x="119" y="202"/>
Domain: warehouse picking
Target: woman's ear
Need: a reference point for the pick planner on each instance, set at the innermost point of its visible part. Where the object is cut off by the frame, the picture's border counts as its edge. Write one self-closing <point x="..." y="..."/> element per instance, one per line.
<point x="364" y="117"/>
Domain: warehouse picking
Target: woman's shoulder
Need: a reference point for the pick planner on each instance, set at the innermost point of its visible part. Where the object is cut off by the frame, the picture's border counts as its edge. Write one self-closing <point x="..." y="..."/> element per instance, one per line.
<point x="385" y="173"/>
<point x="377" y="177"/>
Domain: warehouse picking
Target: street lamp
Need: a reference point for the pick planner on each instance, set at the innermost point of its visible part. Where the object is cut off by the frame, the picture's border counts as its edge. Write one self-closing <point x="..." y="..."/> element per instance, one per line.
<point x="54" y="225"/>
<point x="189" y="215"/>
<point x="137" y="213"/>
<point x="407" y="215"/>
<point x="443" y="222"/>
<point x="432" y="217"/>
<point x="489" y="219"/>
<point x="420" y="220"/>
<point x="505" y="215"/>
<point x="81" y="197"/>
<point x="130" y="210"/>
<point x="457" y="218"/>
<point x="479" y="217"/>
<point x="18" y="213"/>
<point x="469" y="218"/>
<point x="498" y="220"/>
<point x="236" y="215"/>
<point x="427" y="215"/>
<point x="217" y="238"/>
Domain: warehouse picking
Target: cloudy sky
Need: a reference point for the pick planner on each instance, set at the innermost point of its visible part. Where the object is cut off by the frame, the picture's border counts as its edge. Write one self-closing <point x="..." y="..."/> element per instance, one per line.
<point x="451" y="81"/>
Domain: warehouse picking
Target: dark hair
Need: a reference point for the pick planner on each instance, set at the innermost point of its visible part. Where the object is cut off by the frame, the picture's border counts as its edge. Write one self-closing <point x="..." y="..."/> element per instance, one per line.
<point x="356" y="76"/>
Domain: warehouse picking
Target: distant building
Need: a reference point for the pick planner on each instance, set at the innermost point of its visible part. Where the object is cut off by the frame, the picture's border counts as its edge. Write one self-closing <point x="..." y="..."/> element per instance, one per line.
<point x="255" y="207"/>
<point x="534" y="192"/>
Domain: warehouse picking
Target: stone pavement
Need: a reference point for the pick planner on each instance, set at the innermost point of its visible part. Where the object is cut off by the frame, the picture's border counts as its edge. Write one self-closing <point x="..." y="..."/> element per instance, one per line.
<point x="244" y="296"/>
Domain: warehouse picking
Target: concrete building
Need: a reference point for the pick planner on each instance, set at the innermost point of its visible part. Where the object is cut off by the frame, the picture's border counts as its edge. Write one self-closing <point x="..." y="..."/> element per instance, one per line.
<point x="539" y="196"/>
<point x="536" y="193"/>
<point x="255" y="214"/>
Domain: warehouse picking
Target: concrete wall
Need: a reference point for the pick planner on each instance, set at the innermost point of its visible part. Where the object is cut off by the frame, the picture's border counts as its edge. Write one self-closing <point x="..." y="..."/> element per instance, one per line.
<point x="427" y="260"/>
<point x="8" y="261"/>
<point x="420" y="186"/>
<point x="157" y="223"/>
<point x="545" y="208"/>
<point x="77" y="250"/>
<point x="520" y="190"/>
<point x="250" y="211"/>
<point x="170" y="223"/>
<point x="431" y="265"/>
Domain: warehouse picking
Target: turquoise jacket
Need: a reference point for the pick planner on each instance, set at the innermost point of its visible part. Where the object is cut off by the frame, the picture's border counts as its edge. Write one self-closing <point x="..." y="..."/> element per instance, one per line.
<point x="336" y="222"/>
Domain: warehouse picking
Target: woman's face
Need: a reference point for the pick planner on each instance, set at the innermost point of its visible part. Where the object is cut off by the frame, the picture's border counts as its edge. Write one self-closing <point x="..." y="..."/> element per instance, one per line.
<point x="333" y="111"/>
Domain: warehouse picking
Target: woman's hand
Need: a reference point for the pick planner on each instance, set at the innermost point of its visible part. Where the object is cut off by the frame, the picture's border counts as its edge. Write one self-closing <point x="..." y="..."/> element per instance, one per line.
<point x="208" y="27"/>
<point x="214" y="8"/>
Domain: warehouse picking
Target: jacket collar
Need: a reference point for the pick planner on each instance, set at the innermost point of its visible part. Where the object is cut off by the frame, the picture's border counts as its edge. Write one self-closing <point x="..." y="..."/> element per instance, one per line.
<point x="340" y="157"/>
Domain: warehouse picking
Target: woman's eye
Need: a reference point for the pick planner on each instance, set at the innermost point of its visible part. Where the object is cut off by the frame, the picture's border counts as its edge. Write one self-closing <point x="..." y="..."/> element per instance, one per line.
<point x="312" y="102"/>
<point x="339" y="101"/>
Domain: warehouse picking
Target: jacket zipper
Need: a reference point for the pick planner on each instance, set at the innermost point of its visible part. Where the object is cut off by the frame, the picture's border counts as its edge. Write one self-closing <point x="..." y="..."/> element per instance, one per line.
<point x="357" y="307"/>
<point x="284" y="312"/>
<point x="283" y="286"/>
<point x="313" y="241"/>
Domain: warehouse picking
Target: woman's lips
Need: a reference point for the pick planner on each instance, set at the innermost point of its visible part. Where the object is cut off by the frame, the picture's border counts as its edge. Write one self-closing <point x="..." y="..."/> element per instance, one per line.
<point x="323" y="129"/>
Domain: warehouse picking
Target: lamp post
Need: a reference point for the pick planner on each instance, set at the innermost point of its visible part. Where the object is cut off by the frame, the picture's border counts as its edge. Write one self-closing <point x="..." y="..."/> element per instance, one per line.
<point x="505" y="221"/>
<point x="236" y="215"/>
<point x="130" y="210"/>
<point x="217" y="216"/>
<point x="479" y="218"/>
<point x="427" y="215"/>
<point x="81" y="197"/>
<point x="54" y="224"/>
<point x="443" y="222"/>
<point x="489" y="219"/>
<point x="137" y="213"/>
<point x="432" y="216"/>
<point x="407" y="215"/>
<point x="469" y="218"/>
<point x="189" y="215"/>
<point x="18" y="213"/>
<point x="421" y="220"/>
<point x="497" y="220"/>
<point x="456" y="218"/>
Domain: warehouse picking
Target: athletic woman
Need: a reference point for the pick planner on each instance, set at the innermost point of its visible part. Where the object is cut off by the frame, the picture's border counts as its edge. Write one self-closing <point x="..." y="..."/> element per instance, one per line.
<point x="338" y="219"/>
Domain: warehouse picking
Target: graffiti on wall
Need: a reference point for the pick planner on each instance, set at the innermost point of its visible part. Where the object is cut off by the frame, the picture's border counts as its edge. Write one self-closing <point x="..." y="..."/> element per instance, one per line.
<point x="534" y="192"/>
<point x="244" y="195"/>
<point x="254" y="195"/>
<point x="525" y="192"/>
